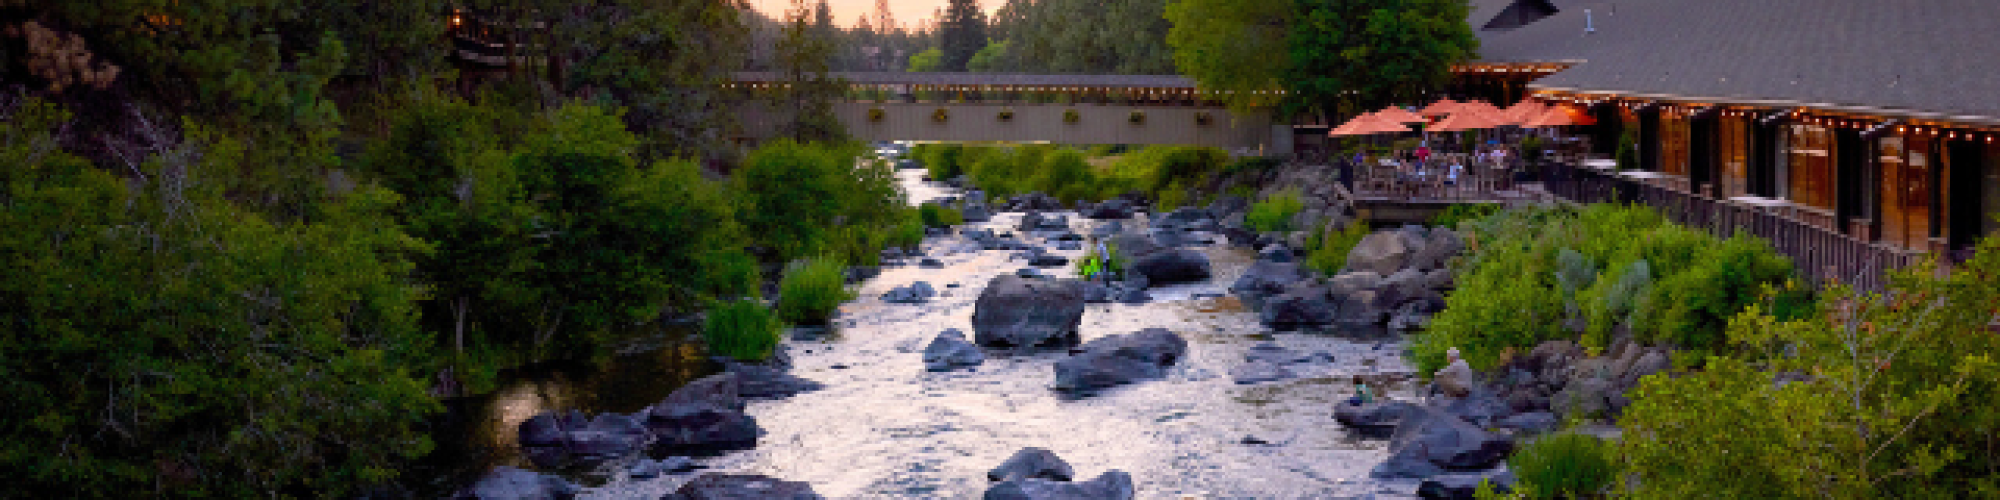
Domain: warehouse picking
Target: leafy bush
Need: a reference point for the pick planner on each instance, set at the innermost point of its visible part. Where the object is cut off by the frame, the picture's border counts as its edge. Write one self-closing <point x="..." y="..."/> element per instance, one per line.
<point x="1614" y="300"/>
<point x="801" y="196"/>
<point x="909" y="234"/>
<point x="1563" y="465"/>
<point x="811" y="289"/>
<point x="933" y="215"/>
<point x="1327" y="251"/>
<point x="1696" y="304"/>
<point x="1170" y="198"/>
<point x="1453" y="215"/>
<point x="1507" y="299"/>
<point x="942" y="160"/>
<point x="1275" y="213"/>
<point x="741" y="329"/>
<point x="1067" y="176"/>
<point x="1896" y="401"/>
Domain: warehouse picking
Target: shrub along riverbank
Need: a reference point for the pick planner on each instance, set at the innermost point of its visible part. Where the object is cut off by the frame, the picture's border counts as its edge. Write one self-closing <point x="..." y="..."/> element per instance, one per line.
<point x="1780" y="392"/>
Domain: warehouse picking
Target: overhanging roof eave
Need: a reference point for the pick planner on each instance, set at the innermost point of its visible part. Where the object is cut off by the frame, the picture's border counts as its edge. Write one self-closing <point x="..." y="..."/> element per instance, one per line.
<point x="1785" y="103"/>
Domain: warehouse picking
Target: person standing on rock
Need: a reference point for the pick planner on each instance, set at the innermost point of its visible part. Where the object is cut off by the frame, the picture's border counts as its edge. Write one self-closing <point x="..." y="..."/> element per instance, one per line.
<point x="1361" y="396"/>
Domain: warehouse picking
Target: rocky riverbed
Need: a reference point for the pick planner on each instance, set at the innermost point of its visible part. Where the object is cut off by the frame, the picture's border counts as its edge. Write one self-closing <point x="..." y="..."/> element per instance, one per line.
<point x="1244" y="412"/>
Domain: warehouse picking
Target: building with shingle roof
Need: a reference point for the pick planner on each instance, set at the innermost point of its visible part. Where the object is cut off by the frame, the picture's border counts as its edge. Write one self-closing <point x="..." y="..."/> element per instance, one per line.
<point x="1874" y="121"/>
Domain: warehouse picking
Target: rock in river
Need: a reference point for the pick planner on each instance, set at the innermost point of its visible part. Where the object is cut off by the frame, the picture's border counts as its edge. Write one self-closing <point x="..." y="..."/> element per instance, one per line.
<point x="742" y="486"/>
<point x="950" y="351"/>
<point x="1120" y="359"/>
<point x="1022" y="313"/>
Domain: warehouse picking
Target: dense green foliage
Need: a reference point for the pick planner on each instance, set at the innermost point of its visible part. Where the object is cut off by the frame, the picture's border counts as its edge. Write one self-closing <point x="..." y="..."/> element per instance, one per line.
<point x="1665" y="283"/>
<point x="742" y="329"/>
<point x="1458" y="213"/>
<point x="1563" y="465"/>
<point x="1327" y="250"/>
<point x="811" y="200"/>
<point x="1274" y="213"/>
<point x="1340" y="57"/>
<point x="1360" y="55"/>
<point x="1081" y="36"/>
<point x="160" y="340"/>
<point x="1897" y="405"/>
<point x="1163" y="172"/>
<point x="811" y="290"/>
<point x="961" y="33"/>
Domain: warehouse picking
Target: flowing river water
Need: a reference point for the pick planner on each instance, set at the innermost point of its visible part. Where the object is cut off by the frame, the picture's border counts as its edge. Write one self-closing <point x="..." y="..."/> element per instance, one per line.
<point x="884" y="427"/>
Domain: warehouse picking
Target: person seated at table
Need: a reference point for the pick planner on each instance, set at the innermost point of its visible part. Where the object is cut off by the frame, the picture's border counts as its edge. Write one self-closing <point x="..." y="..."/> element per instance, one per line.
<point x="1451" y="176"/>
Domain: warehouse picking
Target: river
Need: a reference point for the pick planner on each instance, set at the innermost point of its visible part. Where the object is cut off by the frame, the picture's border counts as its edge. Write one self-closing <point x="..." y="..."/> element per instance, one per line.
<point x="885" y="428"/>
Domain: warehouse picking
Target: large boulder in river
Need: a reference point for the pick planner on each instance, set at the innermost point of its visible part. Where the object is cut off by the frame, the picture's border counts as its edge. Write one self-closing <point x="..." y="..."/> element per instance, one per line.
<point x="1302" y="305"/>
<point x="742" y="486"/>
<point x="509" y="483"/>
<point x="1430" y="441"/>
<point x="976" y="212"/>
<point x="1265" y="279"/>
<point x="1172" y="266"/>
<point x="704" y="415"/>
<point x="1032" y="463"/>
<point x="951" y="351"/>
<point x="1384" y="252"/>
<point x="1120" y="359"/>
<point x="556" y="440"/>
<point x="1110" y="209"/>
<point x="1376" y="419"/>
<point x="1023" y="313"/>
<point x="1112" y="485"/>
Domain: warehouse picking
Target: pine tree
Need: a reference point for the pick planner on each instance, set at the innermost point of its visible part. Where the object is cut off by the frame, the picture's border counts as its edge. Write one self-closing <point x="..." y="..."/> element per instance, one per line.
<point x="961" y="33"/>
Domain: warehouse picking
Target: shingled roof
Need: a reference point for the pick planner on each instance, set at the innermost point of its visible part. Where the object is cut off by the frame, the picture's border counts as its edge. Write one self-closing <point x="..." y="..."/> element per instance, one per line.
<point x="900" y="78"/>
<point x="1928" y="59"/>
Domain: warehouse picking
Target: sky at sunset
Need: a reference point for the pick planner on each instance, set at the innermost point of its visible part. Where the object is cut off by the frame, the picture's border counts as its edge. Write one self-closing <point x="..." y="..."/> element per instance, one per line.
<point x="847" y="12"/>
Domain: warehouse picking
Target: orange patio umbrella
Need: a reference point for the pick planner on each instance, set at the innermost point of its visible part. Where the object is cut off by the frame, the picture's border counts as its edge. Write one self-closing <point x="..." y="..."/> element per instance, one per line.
<point x="1478" y="106"/>
<point x="1440" y="108"/>
<point x="1468" y="119"/>
<point x="1523" y="111"/>
<point x="1356" y="126"/>
<point x="1394" y="114"/>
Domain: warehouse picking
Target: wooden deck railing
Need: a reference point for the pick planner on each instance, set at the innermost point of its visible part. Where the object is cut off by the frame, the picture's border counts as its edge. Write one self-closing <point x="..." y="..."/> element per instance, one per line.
<point x="1819" y="254"/>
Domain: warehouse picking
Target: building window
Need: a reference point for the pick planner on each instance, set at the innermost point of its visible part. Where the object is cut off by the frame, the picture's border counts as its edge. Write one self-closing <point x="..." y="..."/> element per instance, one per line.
<point x="1905" y="191"/>
<point x="1733" y="150"/>
<point x="1809" y="157"/>
<point x="1674" y="137"/>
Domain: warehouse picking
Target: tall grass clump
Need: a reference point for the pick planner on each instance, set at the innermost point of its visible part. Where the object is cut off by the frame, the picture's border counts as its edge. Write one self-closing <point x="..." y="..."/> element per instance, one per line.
<point x="1275" y="213"/>
<point x="811" y="289"/>
<point x="1327" y="251"/>
<point x="1563" y="465"/>
<point x="741" y="329"/>
<point x="933" y="215"/>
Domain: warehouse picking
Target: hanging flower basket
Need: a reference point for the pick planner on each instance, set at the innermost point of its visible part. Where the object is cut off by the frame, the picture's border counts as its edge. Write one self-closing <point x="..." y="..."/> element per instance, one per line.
<point x="1070" y="116"/>
<point x="940" y="115"/>
<point x="1006" y="115"/>
<point x="1136" y="117"/>
<point x="876" y="114"/>
<point x="1203" y="118"/>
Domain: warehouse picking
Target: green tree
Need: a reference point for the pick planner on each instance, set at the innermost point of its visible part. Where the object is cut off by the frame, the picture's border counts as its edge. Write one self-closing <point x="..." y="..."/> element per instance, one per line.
<point x="1210" y="39"/>
<point x="804" y="56"/>
<point x="1341" y="56"/>
<point x="930" y="59"/>
<point x="961" y="34"/>
<point x="992" y="58"/>
<point x="161" y="341"/>
<point x="1348" y="57"/>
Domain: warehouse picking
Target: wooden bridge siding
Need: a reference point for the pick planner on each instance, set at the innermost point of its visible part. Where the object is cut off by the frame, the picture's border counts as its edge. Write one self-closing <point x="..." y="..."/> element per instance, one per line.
<point x="1096" y="124"/>
<point x="1820" y="255"/>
